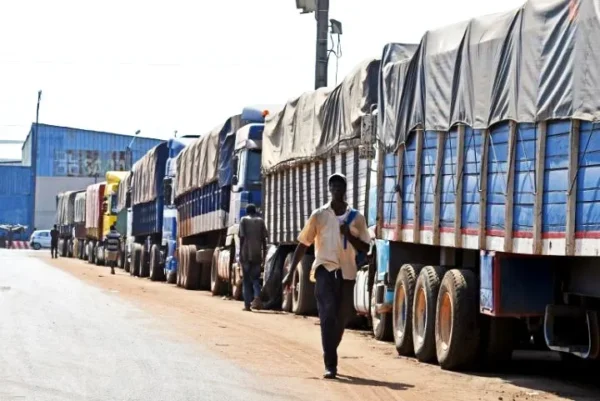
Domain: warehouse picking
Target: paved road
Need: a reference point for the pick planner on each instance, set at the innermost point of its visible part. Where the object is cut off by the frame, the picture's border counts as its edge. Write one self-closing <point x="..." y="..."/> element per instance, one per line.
<point x="64" y="340"/>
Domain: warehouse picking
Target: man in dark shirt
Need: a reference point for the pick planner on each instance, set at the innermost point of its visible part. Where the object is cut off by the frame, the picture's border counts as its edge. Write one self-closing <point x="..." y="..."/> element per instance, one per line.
<point x="54" y="242"/>
<point x="253" y="252"/>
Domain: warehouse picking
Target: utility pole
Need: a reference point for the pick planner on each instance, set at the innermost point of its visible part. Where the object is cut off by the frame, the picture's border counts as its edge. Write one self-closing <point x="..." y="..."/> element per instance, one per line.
<point x="322" y="17"/>
<point x="321" y="10"/>
<point x="34" y="156"/>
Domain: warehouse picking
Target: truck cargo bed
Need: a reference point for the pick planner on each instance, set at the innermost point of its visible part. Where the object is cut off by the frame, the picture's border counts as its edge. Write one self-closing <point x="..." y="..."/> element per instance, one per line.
<point x="292" y="194"/>
<point x="521" y="188"/>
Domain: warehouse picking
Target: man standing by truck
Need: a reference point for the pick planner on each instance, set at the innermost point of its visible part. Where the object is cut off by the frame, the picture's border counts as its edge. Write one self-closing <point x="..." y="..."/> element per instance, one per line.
<point x="253" y="252"/>
<point x="338" y="233"/>
<point x="113" y="241"/>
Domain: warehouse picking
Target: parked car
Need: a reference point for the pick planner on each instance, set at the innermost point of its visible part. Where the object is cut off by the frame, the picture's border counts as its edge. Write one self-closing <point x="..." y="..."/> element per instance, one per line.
<point x="40" y="239"/>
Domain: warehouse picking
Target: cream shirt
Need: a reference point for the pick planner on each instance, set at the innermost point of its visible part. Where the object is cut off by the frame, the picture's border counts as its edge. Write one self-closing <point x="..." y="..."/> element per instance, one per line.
<point x="323" y="229"/>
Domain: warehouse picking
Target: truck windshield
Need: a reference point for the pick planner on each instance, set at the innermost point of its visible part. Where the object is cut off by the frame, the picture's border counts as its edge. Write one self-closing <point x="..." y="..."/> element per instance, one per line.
<point x="253" y="178"/>
<point x="113" y="204"/>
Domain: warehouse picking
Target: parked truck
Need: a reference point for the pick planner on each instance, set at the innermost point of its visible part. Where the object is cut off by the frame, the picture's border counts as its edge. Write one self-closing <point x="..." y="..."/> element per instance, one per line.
<point x="169" y="233"/>
<point x="314" y="136"/>
<point x="80" y="232"/>
<point x="65" y="220"/>
<point x="148" y="252"/>
<point x="109" y="209"/>
<point x="123" y="212"/>
<point x="94" y="220"/>
<point x="211" y="198"/>
<point x="487" y="189"/>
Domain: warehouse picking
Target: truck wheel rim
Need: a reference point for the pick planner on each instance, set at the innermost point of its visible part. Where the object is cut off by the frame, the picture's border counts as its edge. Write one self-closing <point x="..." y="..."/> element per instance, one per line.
<point x="296" y="285"/>
<point x="401" y="312"/>
<point x="421" y="314"/>
<point x="445" y="321"/>
<point x="374" y="315"/>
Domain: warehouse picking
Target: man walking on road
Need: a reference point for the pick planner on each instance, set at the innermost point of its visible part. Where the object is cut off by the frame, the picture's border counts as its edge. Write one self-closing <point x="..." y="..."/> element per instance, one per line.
<point x="338" y="233"/>
<point x="54" y="242"/>
<point x="113" y="241"/>
<point x="253" y="251"/>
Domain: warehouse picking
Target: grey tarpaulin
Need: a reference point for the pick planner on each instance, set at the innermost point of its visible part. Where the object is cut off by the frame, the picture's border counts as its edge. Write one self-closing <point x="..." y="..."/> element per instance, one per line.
<point x="321" y="121"/>
<point x="65" y="210"/>
<point x="536" y="63"/>
<point x="203" y="161"/>
<point x="124" y="187"/>
<point x="79" y="215"/>
<point x="144" y="176"/>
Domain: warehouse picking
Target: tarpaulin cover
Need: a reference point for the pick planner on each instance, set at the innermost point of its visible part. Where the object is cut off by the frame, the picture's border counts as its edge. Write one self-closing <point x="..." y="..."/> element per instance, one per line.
<point x="148" y="175"/>
<point x="536" y="63"/>
<point x="80" y="207"/>
<point x="65" y="210"/>
<point x="321" y="121"/>
<point x="93" y="205"/>
<point x="124" y="187"/>
<point x="207" y="159"/>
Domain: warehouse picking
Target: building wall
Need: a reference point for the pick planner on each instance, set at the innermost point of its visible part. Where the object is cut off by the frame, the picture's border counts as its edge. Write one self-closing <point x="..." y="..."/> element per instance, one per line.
<point x="72" y="152"/>
<point x="15" y="195"/>
<point x="45" y="196"/>
<point x="71" y="159"/>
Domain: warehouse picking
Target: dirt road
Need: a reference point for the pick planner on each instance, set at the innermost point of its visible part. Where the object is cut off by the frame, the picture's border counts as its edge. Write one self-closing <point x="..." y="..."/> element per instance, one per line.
<point x="285" y="350"/>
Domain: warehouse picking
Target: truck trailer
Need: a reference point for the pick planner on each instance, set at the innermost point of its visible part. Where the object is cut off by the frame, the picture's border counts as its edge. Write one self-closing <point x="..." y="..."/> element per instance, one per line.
<point x="65" y="220"/>
<point x="148" y="205"/>
<point x="80" y="232"/>
<point x="94" y="220"/>
<point x="487" y="208"/>
<point x="169" y="236"/>
<point x="314" y="136"/>
<point x="217" y="176"/>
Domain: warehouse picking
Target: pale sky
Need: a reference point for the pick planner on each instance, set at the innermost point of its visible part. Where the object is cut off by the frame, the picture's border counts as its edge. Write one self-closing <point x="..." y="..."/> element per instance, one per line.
<point x="125" y="65"/>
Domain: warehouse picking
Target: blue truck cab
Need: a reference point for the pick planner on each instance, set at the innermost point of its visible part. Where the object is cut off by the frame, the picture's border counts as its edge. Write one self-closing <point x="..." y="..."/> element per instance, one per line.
<point x="247" y="179"/>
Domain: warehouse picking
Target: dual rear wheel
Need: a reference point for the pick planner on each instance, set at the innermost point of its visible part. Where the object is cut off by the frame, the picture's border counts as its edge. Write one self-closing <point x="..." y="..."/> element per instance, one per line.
<point x="435" y="318"/>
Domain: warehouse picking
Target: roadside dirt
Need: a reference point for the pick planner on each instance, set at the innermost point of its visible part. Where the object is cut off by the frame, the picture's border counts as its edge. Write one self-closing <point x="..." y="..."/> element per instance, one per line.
<point x="287" y="349"/>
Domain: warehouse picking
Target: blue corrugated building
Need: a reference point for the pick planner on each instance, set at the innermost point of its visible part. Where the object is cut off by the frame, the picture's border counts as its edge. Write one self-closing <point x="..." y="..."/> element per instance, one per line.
<point x="15" y="195"/>
<point x="64" y="159"/>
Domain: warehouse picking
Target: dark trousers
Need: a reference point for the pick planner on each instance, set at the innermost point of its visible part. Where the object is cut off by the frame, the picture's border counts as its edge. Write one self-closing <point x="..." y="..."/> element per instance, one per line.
<point x="335" y="301"/>
<point x="54" y="249"/>
<point x="251" y="282"/>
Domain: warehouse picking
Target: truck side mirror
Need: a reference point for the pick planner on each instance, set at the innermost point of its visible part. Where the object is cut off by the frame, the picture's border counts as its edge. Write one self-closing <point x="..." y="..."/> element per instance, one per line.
<point x="235" y="179"/>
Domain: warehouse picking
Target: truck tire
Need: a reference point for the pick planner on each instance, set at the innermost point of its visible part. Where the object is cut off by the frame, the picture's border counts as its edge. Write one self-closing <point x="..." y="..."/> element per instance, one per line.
<point x="216" y="285"/>
<point x="144" y="262"/>
<point x="381" y="322"/>
<point x="99" y="261"/>
<point x="156" y="272"/>
<point x="185" y="255"/>
<point x="204" y="258"/>
<point x="125" y="259"/>
<point x="136" y="254"/>
<point x="192" y="277"/>
<point x="424" y="307"/>
<point x="404" y="293"/>
<point x="287" y="299"/>
<point x="90" y="253"/>
<point x="304" y="301"/>
<point x="179" y="266"/>
<point x="456" y="330"/>
<point x="64" y="248"/>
